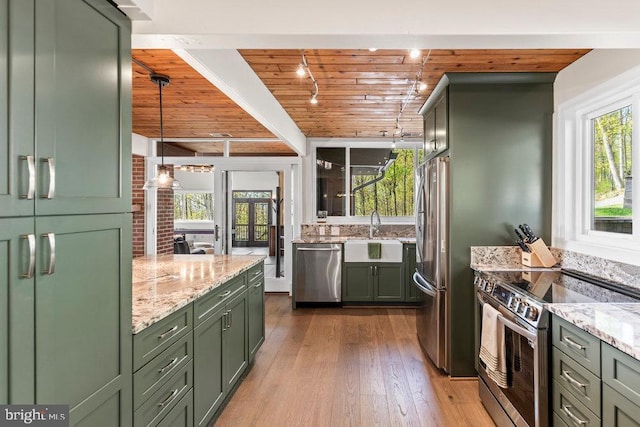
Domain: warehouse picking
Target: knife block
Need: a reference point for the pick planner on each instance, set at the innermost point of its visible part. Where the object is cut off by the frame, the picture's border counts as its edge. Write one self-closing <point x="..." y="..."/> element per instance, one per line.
<point x="540" y="256"/>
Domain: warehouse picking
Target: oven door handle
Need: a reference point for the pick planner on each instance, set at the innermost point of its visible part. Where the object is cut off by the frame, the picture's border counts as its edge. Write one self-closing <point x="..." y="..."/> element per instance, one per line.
<point x="517" y="328"/>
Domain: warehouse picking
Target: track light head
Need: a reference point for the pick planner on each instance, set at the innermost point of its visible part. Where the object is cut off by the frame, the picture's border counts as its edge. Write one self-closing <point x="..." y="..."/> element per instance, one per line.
<point x="301" y="70"/>
<point x="414" y="53"/>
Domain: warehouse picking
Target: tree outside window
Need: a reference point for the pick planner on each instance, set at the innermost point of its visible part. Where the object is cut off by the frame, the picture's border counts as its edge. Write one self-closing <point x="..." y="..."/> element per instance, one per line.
<point x="193" y="206"/>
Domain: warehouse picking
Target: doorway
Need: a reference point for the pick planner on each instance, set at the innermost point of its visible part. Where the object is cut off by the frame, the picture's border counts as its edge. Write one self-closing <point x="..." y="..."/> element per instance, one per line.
<point x="251" y="218"/>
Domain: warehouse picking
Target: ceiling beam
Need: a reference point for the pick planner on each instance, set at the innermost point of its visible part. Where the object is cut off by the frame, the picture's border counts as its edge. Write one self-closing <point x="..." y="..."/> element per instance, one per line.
<point x="230" y="73"/>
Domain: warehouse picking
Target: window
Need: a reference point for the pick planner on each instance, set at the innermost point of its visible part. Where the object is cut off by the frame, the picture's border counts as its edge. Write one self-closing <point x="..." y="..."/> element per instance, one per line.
<point x="193" y="206"/>
<point x="379" y="179"/>
<point x="596" y="154"/>
<point x="611" y="145"/>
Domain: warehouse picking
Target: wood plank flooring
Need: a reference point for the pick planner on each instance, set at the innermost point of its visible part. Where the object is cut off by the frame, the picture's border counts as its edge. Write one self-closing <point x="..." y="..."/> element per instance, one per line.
<point x="347" y="367"/>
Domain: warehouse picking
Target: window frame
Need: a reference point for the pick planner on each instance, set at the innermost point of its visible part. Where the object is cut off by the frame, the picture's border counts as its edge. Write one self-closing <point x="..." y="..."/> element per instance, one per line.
<point x="349" y="218"/>
<point x="574" y="176"/>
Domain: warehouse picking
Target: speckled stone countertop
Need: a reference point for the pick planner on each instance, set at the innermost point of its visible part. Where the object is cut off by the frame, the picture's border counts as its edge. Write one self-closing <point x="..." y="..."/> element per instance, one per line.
<point x="343" y="239"/>
<point x="165" y="283"/>
<point x="615" y="323"/>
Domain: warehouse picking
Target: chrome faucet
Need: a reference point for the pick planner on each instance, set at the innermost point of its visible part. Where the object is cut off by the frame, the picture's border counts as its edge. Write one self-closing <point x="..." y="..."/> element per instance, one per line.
<point x="374" y="227"/>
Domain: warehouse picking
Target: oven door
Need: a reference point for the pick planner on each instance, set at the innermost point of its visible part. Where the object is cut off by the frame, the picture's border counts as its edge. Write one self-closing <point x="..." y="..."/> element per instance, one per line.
<point x="525" y="400"/>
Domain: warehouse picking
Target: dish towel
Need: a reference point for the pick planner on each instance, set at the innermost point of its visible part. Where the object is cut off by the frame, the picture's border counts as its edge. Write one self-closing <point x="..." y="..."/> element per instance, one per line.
<point x="492" y="346"/>
<point x="375" y="250"/>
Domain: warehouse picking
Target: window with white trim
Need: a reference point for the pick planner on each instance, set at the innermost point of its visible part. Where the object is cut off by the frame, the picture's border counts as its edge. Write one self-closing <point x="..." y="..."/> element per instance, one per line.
<point x="597" y="153"/>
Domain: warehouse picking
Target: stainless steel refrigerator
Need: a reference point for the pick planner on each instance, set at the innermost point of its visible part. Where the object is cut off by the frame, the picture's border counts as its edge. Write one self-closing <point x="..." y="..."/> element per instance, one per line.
<point x="432" y="263"/>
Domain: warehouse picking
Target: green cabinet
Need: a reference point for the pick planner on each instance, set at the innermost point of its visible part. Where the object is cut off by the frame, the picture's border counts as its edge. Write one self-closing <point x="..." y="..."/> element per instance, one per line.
<point x="410" y="291"/>
<point x="221" y="349"/>
<point x="255" y="309"/>
<point x="79" y="263"/>
<point x="378" y="282"/>
<point x="67" y="142"/>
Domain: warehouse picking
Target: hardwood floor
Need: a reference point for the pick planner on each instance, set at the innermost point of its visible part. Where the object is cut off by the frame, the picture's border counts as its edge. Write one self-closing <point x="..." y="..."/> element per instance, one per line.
<point x="347" y="367"/>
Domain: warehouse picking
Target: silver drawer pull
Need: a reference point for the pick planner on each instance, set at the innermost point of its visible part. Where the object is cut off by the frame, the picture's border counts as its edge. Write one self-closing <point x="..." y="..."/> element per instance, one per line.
<point x="572" y="380"/>
<point x="573" y="344"/>
<point x="52" y="177"/>
<point x="225" y="294"/>
<point x="168" y="365"/>
<point x="51" y="237"/>
<point x="170" y="331"/>
<point x="258" y="285"/>
<point x="31" y="238"/>
<point x="31" y="166"/>
<point x="257" y="273"/>
<point x="567" y="410"/>
<point x="169" y="398"/>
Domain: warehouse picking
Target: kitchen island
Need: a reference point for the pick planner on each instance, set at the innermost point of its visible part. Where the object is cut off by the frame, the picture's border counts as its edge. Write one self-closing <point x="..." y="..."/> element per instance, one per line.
<point x="197" y="323"/>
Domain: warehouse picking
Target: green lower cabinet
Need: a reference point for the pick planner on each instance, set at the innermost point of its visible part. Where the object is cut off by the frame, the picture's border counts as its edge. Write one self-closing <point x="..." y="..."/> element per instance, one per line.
<point x="410" y="290"/>
<point x="221" y="355"/>
<point x="256" y="316"/>
<point x="617" y="410"/>
<point x="378" y="282"/>
<point x="182" y="414"/>
<point x="208" y="382"/>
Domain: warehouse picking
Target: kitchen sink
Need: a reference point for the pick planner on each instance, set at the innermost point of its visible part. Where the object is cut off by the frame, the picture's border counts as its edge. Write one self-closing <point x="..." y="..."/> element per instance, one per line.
<point x="358" y="250"/>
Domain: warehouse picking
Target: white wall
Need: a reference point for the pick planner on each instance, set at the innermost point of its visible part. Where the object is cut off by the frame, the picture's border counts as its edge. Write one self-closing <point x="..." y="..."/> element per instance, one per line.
<point x="594" y="68"/>
<point x="194" y="182"/>
<point x="265" y="181"/>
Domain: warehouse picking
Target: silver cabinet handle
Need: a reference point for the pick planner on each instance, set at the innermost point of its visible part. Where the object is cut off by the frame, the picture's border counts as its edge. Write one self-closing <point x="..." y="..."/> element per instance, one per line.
<point x="572" y="381"/>
<point x="573" y="344"/>
<point x="225" y="294"/>
<point x="230" y="318"/>
<point x="52" y="177"/>
<point x="258" y="285"/>
<point x="31" y="238"/>
<point x="170" y="331"/>
<point x="318" y="249"/>
<point x="31" y="166"/>
<point x="567" y="410"/>
<point x="224" y="321"/>
<point x="169" y="398"/>
<point x="168" y="365"/>
<point x="51" y="237"/>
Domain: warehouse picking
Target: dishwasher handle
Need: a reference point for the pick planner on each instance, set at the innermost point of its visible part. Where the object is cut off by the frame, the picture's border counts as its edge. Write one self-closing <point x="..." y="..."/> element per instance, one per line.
<point x="319" y="249"/>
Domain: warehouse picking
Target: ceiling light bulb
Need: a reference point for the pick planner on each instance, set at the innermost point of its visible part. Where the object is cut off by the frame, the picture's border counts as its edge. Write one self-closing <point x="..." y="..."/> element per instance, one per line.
<point x="414" y="53"/>
<point x="393" y="144"/>
<point x="422" y="86"/>
<point x="313" y="100"/>
<point x="300" y="71"/>
<point x="372" y="49"/>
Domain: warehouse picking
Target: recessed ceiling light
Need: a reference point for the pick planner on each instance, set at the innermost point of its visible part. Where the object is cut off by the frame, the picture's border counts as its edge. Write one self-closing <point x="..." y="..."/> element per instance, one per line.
<point x="414" y="53"/>
<point x="422" y="86"/>
<point x="373" y="49"/>
<point x="300" y="71"/>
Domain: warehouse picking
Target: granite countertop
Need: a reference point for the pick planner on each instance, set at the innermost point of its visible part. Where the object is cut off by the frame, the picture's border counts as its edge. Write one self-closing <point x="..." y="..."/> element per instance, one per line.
<point x="617" y="324"/>
<point x="165" y="283"/>
<point x="343" y="239"/>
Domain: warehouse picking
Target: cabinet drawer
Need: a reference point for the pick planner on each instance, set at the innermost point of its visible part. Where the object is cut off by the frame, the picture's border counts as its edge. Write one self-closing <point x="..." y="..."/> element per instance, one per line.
<point x="569" y="408"/>
<point x="617" y="410"/>
<point x="580" y="345"/>
<point x="558" y="422"/>
<point x="584" y="385"/>
<point x="210" y="303"/>
<point x="182" y="414"/>
<point x="255" y="274"/>
<point x="165" y="398"/>
<point x="154" y="374"/>
<point x="621" y="372"/>
<point x="153" y="340"/>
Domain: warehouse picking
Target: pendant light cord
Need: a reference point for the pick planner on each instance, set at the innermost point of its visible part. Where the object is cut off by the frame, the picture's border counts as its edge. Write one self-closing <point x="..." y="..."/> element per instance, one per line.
<point x="161" y="124"/>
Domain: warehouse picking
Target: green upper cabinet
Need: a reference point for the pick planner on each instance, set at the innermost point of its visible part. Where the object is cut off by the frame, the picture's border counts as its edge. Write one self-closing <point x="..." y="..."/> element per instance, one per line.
<point x="83" y="313"/>
<point x="82" y="108"/>
<point x="17" y="154"/>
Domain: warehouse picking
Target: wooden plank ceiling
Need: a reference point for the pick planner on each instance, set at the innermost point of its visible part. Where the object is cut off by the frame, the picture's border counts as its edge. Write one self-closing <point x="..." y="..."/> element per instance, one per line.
<point x="360" y="93"/>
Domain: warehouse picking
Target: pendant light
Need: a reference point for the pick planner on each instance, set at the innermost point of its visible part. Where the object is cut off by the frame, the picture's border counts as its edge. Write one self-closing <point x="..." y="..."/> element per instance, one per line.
<point x="163" y="178"/>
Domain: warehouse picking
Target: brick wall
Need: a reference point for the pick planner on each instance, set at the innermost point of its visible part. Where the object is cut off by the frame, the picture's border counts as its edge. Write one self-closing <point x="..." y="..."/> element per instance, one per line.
<point x="137" y="200"/>
<point x="164" y="232"/>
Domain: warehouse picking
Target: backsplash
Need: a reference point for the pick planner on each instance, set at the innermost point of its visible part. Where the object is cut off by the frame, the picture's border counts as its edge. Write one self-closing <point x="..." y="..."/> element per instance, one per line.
<point x="509" y="257"/>
<point x="356" y="230"/>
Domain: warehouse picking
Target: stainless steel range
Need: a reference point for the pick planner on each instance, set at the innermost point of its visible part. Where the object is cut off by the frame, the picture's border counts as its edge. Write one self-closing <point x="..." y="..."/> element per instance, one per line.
<point x="520" y="299"/>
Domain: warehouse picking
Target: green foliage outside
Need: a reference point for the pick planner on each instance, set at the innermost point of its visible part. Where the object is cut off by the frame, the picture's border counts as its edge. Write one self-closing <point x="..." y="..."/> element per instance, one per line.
<point x="391" y="196"/>
<point x="612" y="212"/>
<point x="193" y="206"/>
<point x="612" y="160"/>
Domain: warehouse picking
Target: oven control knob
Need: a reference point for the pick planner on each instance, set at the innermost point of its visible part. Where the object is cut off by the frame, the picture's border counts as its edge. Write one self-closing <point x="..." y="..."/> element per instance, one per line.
<point x="514" y="303"/>
<point x="476" y="280"/>
<point x="489" y="287"/>
<point x="532" y="314"/>
<point x="524" y="308"/>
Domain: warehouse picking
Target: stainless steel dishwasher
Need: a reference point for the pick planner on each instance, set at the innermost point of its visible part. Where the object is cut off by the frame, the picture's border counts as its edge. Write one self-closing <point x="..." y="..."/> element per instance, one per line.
<point x="318" y="277"/>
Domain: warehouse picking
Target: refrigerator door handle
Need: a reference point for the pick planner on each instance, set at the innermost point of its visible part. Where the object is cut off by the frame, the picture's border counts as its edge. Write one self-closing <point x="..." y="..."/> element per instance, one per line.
<point x="423" y="285"/>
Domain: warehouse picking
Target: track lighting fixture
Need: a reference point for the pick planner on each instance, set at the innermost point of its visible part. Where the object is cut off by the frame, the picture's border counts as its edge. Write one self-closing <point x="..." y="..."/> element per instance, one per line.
<point x="303" y="68"/>
<point x="418" y="85"/>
